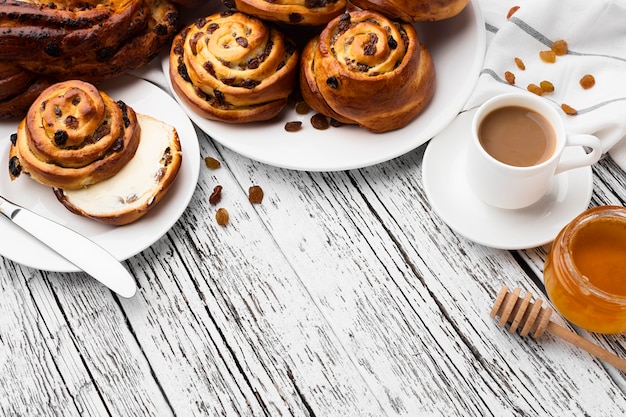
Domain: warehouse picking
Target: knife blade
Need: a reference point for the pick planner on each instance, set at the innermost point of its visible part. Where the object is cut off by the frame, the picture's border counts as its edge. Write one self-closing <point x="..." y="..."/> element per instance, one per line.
<point x="76" y="248"/>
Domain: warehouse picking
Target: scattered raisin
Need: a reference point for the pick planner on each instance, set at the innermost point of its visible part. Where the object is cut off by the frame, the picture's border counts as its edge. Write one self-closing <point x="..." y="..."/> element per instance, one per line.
<point x="509" y="77"/>
<point x="212" y="163"/>
<point x="15" y="168"/>
<point x="547" y="86"/>
<point x="336" y="123"/>
<point x="548" y="56"/>
<point x="216" y="195"/>
<point x="222" y="217"/>
<point x="568" y="109"/>
<point x="293" y="126"/>
<point x="587" y="81"/>
<point x="255" y="194"/>
<point x="332" y="82"/>
<point x="559" y="47"/>
<point x="512" y="10"/>
<point x="302" y="107"/>
<point x="319" y="121"/>
<point x="520" y="63"/>
<point x="535" y="89"/>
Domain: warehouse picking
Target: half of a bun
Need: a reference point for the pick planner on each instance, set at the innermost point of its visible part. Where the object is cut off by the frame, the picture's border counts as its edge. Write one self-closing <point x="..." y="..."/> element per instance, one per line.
<point x="139" y="186"/>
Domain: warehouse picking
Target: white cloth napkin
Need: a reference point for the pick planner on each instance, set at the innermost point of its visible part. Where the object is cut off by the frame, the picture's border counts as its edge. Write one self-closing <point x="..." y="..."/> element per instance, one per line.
<point x="595" y="32"/>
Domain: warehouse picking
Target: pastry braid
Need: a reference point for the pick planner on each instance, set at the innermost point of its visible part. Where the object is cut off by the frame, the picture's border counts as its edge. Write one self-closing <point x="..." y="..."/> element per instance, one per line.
<point x="368" y="70"/>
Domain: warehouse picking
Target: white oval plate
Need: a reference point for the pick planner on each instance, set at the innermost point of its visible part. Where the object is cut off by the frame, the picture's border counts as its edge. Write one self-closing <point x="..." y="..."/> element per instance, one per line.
<point x="122" y="242"/>
<point x="449" y="194"/>
<point x="458" y="48"/>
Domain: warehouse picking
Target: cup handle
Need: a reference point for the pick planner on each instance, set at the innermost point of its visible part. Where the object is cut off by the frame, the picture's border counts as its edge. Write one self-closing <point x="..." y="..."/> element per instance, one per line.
<point x="578" y="161"/>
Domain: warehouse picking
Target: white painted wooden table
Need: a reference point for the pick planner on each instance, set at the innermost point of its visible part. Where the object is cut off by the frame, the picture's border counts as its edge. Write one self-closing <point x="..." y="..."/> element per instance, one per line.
<point x="341" y="294"/>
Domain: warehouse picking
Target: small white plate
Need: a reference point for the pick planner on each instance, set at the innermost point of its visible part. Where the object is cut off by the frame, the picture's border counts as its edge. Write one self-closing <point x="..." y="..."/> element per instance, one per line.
<point x="450" y="197"/>
<point x="457" y="46"/>
<point x="122" y="242"/>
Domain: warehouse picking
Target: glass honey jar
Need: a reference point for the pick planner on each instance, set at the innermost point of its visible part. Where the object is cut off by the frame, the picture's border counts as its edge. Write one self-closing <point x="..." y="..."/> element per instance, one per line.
<point x="585" y="272"/>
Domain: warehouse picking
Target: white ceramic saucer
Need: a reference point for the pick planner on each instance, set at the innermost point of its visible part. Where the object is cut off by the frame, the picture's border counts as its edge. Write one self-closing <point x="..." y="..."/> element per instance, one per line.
<point x="446" y="187"/>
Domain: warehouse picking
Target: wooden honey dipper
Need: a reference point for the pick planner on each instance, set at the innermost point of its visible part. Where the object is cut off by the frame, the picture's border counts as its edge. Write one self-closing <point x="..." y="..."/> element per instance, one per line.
<point x="532" y="318"/>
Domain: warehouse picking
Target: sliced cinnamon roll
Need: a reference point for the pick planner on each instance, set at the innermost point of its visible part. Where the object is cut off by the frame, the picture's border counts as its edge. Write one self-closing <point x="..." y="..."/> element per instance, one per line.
<point x="414" y="10"/>
<point x="368" y="70"/>
<point x="73" y="136"/>
<point x="233" y="67"/>
<point x="295" y="12"/>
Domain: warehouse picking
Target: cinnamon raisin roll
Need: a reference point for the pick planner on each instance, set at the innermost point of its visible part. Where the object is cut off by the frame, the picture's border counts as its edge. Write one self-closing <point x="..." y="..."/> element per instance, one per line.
<point x="233" y="67"/>
<point x="295" y="12"/>
<point x="368" y="70"/>
<point x="73" y="136"/>
<point x="414" y="10"/>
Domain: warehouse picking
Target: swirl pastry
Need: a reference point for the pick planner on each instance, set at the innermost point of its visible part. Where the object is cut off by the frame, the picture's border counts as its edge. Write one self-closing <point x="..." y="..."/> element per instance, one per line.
<point x="368" y="70"/>
<point x="295" y="12"/>
<point x="73" y="136"/>
<point x="414" y="10"/>
<point x="233" y="67"/>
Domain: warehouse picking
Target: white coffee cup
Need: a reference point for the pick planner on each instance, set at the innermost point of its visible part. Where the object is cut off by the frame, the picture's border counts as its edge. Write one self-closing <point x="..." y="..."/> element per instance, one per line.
<point x="508" y="186"/>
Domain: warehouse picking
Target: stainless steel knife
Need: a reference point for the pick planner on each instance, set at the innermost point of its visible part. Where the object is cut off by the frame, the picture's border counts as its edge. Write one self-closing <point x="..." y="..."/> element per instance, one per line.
<point x="76" y="248"/>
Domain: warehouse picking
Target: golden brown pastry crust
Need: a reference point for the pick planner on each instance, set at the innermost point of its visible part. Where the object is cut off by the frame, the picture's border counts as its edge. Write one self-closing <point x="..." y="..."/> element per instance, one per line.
<point x="123" y="35"/>
<point x="18" y="89"/>
<point x="414" y="10"/>
<point x="295" y="12"/>
<point x="233" y="67"/>
<point x="368" y="70"/>
<point x="74" y="135"/>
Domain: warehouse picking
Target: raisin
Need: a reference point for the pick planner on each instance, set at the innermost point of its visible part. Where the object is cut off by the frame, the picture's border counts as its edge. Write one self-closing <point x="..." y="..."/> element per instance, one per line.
<point x="13" y="138"/>
<point x="15" y="169"/>
<point x="520" y="64"/>
<point x="548" y="56"/>
<point x="71" y="122"/>
<point x="509" y="77"/>
<point x="302" y="107"/>
<point x="212" y="163"/>
<point x="319" y="121"/>
<point x="295" y="17"/>
<point x="255" y="194"/>
<point x="293" y="126"/>
<point x="60" y="137"/>
<point x="535" y="89"/>
<point x="222" y="217"/>
<point x="512" y="11"/>
<point x="546" y="86"/>
<point x="391" y="42"/>
<point x="559" y="47"/>
<point x="568" y="109"/>
<point x="587" y="81"/>
<point x="332" y="82"/>
<point x="216" y="195"/>
<point x="243" y="42"/>
<point x="118" y="145"/>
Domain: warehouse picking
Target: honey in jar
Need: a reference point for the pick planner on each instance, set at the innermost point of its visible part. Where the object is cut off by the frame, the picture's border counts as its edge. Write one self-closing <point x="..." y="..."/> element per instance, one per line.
<point x="585" y="272"/>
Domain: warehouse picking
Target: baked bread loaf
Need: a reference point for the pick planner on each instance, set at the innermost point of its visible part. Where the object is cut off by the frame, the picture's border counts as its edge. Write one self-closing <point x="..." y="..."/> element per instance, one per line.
<point x="18" y="89"/>
<point x="72" y="39"/>
<point x="74" y="135"/>
<point x="414" y="10"/>
<point x="368" y="70"/>
<point x="136" y="188"/>
<point x="294" y="12"/>
<point x="233" y="68"/>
